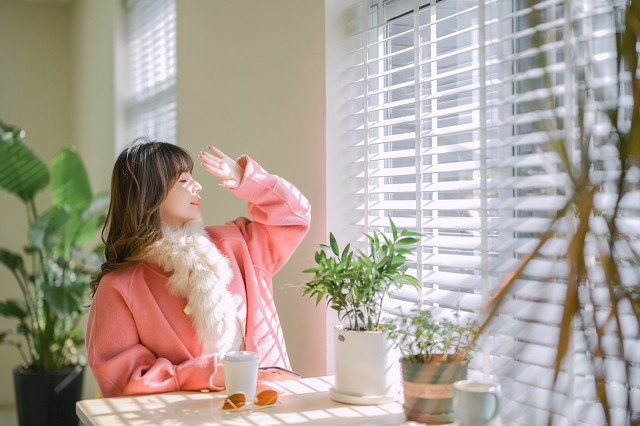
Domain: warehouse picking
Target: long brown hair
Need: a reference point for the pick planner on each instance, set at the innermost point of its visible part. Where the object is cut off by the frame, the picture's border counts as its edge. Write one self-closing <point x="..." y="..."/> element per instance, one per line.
<point x="143" y="174"/>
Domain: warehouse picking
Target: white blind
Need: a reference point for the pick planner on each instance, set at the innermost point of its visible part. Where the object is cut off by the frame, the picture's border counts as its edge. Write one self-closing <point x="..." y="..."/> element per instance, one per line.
<point x="151" y="54"/>
<point x="462" y="100"/>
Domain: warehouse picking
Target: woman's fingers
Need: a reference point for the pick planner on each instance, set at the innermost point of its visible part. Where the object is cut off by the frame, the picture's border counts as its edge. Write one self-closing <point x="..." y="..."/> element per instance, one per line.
<point x="217" y="152"/>
<point x="222" y="166"/>
<point x="209" y="156"/>
<point x="220" y="169"/>
<point x="210" y="159"/>
<point x="229" y="183"/>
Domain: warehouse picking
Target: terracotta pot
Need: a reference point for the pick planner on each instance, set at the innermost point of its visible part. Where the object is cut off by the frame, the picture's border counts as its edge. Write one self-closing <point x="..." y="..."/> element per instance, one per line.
<point x="428" y="389"/>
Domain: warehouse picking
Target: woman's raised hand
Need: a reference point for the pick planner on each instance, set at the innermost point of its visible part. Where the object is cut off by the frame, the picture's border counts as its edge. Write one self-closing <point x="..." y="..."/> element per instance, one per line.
<point x="226" y="168"/>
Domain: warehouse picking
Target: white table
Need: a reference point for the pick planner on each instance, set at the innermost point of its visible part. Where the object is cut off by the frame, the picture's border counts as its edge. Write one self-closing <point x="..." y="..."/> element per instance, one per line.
<point x="302" y="401"/>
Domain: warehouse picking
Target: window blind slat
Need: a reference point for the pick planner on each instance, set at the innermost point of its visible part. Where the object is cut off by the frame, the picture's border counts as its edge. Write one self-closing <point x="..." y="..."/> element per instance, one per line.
<point x="469" y="164"/>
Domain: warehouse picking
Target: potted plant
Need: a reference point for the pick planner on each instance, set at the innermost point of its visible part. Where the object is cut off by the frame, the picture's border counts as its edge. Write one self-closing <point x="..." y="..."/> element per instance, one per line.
<point x="435" y="354"/>
<point x="601" y="309"/>
<point x="54" y="280"/>
<point x="355" y="284"/>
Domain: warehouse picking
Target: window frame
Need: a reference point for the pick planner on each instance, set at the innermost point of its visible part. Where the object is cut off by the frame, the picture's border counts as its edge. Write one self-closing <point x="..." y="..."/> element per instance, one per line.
<point x="345" y="80"/>
<point x="147" y="71"/>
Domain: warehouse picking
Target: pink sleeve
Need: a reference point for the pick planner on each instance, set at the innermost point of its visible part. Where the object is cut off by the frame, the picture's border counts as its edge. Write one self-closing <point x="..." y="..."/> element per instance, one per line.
<point x="280" y="215"/>
<point x="123" y="366"/>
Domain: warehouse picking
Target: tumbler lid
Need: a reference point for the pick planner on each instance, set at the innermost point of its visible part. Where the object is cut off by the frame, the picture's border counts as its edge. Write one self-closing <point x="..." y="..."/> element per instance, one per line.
<point x="241" y="356"/>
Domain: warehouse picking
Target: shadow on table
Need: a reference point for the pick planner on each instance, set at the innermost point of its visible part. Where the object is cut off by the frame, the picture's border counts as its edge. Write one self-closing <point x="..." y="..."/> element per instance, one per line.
<point x="298" y="402"/>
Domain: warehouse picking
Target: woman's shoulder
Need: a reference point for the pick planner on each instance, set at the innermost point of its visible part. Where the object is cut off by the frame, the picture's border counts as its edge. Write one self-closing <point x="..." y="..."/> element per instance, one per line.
<point x="121" y="281"/>
<point x="229" y="230"/>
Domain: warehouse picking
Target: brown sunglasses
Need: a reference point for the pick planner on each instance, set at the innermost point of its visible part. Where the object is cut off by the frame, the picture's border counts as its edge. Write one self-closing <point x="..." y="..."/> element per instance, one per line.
<point x="266" y="398"/>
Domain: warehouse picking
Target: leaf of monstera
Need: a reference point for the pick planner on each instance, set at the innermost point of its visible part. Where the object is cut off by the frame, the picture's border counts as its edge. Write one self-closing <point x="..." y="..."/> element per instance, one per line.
<point x="22" y="171"/>
<point x="69" y="181"/>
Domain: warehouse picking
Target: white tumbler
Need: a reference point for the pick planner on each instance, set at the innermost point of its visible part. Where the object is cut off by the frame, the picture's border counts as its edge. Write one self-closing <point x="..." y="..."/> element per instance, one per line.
<point x="241" y="373"/>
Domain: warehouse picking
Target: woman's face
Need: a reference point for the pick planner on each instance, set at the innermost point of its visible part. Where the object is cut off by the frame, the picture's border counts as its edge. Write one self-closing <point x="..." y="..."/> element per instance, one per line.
<point x="182" y="204"/>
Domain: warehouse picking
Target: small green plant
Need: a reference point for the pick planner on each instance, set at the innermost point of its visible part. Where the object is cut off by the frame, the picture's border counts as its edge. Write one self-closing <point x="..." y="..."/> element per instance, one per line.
<point x="421" y="338"/>
<point x="55" y="278"/>
<point x="356" y="283"/>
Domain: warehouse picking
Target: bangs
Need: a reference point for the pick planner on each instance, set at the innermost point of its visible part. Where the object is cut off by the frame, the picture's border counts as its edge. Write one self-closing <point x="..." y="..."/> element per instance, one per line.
<point x="177" y="162"/>
<point x="152" y="168"/>
<point x="171" y="161"/>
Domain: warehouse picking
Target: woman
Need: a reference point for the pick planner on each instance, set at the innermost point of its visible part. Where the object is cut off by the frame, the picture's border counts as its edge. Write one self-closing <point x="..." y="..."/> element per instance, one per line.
<point x="174" y="296"/>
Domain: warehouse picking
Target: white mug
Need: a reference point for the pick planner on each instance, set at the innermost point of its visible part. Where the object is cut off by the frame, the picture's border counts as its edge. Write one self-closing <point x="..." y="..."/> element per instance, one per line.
<point x="476" y="403"/>
<point x="241" y="373"/>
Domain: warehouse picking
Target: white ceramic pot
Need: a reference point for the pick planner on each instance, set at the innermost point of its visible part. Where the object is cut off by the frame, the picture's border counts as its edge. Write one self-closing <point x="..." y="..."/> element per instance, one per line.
<point x="367" y="370"/>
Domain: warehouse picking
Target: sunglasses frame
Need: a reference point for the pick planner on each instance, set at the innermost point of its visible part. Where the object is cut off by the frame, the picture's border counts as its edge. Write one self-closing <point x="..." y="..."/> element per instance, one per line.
<point x="264" y="399"/>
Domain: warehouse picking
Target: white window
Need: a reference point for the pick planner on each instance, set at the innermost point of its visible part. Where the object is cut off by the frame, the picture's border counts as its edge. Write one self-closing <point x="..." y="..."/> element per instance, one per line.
<point x="150" y="109"/>
<point x="441" y="115"/>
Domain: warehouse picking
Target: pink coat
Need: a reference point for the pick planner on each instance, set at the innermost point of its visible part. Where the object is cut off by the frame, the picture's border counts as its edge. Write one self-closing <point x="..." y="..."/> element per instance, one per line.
<point x="140" y="340"/>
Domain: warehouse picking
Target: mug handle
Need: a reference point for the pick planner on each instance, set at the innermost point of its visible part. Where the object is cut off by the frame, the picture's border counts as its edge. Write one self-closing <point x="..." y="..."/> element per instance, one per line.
<point x="498" y="397"/>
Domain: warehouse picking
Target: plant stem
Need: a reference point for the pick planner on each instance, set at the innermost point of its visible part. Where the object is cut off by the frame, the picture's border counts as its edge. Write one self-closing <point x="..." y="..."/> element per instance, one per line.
<point x="32" y="213"/>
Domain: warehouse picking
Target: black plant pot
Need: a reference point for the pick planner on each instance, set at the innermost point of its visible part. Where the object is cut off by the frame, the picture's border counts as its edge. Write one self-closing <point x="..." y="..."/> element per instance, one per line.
<point x="47" y="398"/>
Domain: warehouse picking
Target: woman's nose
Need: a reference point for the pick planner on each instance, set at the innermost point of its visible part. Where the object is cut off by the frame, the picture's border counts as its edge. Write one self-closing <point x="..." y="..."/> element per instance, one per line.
<point x="196" y="188"/>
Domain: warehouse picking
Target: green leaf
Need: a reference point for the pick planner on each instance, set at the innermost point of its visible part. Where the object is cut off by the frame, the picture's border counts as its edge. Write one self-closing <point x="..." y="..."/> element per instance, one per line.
<point x="410" y="279"/>
<point x="93" y="217"/>
<point x="407" y="241"/>
<point x="13" y="261"/>
<point x="345" y="252"/>
<point x="403" y="251"/>
<point x="366" y="261"/>
<point x="394" y="230"/>
<point x="69" y="181"/>
<point x="64" y="300"/>
<point x="407" y="233"/>
<point x="398" y="260"/>
<point x="45" y="230"/>
<point x="22" y="171"/>
<point x="334" y="244"/>
<point x="384" y="262"/>
<point x="14" y="308"/>
<point x="77" y="336"/>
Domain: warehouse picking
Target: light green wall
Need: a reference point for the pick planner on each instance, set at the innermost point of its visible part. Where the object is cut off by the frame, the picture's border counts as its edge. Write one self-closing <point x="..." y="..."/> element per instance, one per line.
<point x="35" y="88"/>
<point x="93" y="97"/>
<point x="250" y="80"/>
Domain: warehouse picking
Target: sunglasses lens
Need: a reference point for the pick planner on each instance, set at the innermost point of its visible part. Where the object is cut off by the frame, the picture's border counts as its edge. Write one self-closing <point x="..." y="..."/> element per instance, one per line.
<point x="266" y="397"/>
<point x="233" y="402"/>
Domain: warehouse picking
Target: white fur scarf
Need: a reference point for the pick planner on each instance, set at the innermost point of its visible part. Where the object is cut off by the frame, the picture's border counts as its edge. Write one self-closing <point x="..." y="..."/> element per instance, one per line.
<point x="200" y="274"/>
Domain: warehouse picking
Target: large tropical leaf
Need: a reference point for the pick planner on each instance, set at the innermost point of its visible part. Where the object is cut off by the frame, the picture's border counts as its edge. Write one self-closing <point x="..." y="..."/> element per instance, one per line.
<point x="66" y="299"/>
<point x="69" y="181"/>
<point x="15" y="308"/>
<point x="93" y="217"/>
<point x="22" y="171"/>
<point x="45" y="231"/>
<point x="13" y="261"/>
